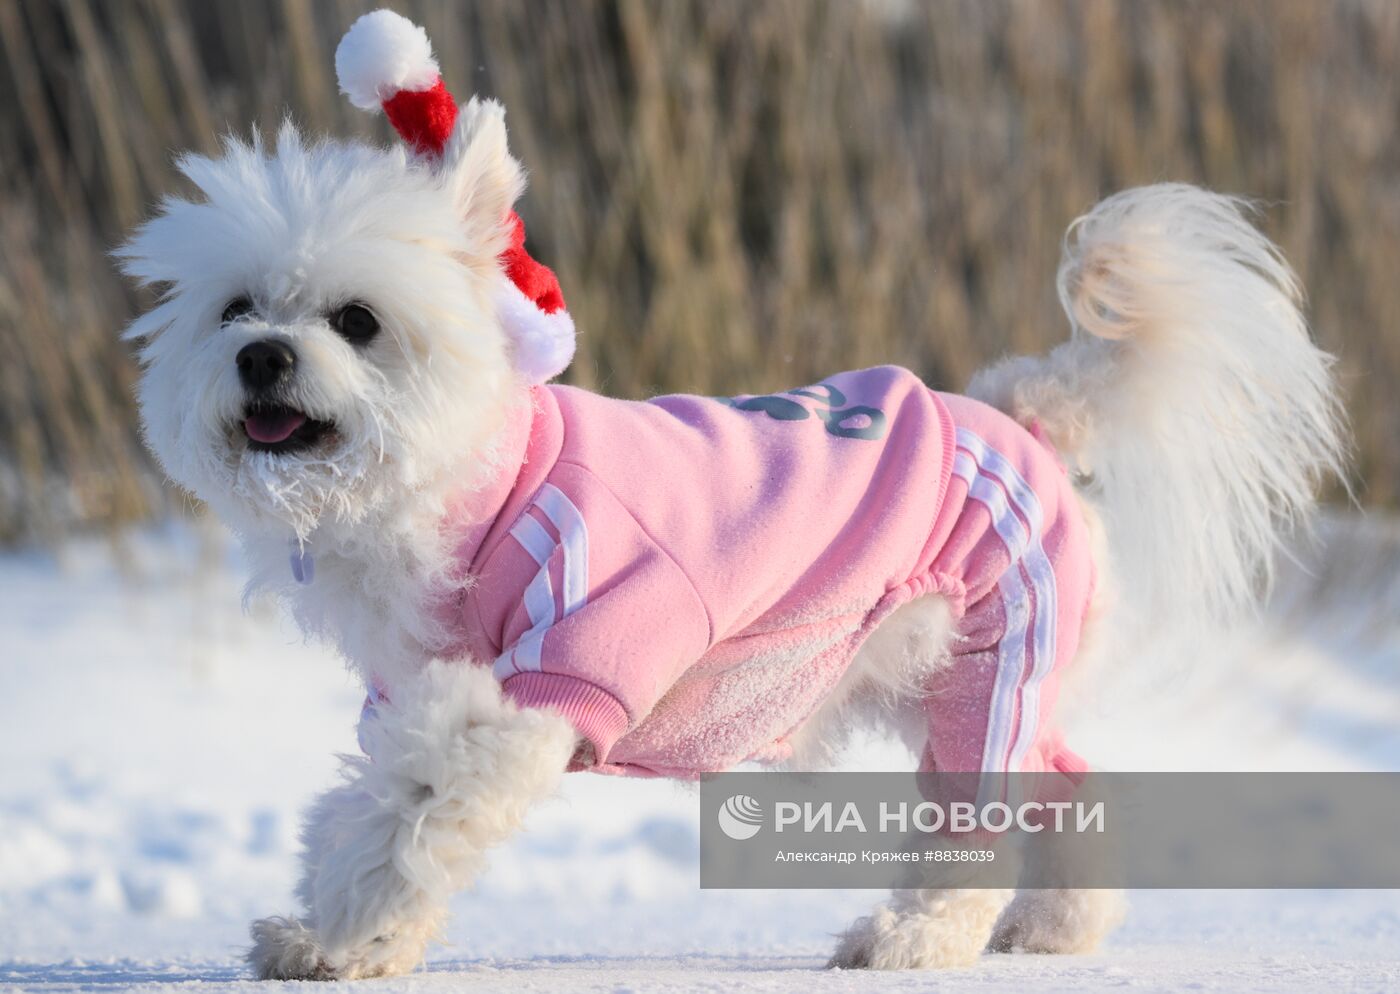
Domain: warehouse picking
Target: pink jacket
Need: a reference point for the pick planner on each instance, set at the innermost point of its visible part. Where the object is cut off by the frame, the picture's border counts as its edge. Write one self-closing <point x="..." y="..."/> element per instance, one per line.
<point x="685" y="579"/>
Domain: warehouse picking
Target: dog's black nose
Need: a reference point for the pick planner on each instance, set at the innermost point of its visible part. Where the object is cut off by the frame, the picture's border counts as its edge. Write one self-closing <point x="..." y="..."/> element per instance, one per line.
<point x="265" y="364"/>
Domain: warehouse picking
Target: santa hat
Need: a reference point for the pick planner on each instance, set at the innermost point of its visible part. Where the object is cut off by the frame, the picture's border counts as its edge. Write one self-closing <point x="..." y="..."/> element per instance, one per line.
<point x="385" y="61"/>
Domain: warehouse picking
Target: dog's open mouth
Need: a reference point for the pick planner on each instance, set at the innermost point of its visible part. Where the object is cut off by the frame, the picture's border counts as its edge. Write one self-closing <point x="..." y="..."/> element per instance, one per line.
<point x="282" y="429"/>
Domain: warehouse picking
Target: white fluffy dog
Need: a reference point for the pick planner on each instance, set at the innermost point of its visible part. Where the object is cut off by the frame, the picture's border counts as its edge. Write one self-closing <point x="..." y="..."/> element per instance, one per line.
<point x="328" y="367"/>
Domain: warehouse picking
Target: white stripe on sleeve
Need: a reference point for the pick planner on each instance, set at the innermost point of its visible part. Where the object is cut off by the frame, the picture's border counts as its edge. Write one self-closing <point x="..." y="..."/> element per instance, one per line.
<point x="534" y="537"/>
<point x="573" y="535"/>
<point x="525" y="655"/>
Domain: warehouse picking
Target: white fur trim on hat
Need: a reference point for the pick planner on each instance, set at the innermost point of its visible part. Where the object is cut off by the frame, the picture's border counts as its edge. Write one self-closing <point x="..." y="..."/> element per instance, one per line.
<point x="542" y="345"/>
<point x="381" y="54"/>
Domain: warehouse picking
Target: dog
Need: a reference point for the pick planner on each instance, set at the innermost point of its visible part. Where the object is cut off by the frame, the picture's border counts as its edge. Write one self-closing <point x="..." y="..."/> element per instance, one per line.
<point x="347" y="363"/>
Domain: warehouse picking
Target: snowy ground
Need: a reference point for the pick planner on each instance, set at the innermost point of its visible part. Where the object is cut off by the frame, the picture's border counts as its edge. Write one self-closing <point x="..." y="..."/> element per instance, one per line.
<point x="156" y="745"/>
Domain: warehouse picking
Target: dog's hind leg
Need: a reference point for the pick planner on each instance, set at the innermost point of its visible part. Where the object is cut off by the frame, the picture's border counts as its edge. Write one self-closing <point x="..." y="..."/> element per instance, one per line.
<point x="1053" y="912"/>
<point x="984" y="712"/>
<point x="919" y="667"/>
<point x="454" y="769"/>
<point x="1058" y="920"/>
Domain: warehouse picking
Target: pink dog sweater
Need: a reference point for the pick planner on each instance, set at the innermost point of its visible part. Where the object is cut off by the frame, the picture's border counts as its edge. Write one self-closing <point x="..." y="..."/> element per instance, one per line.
<point x="687" y="578"/>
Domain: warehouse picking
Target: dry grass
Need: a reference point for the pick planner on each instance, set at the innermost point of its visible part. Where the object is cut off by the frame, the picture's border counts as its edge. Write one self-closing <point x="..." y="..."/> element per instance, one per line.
<point x="737" y="195"/>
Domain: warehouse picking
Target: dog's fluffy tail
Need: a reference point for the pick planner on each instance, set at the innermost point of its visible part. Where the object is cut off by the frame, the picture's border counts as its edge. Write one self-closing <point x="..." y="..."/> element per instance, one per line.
<point x="1189" y="398"/>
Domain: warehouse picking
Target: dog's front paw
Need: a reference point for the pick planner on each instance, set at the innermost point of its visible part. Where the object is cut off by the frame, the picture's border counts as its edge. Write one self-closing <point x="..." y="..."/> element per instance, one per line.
<point x="285" y="949"/>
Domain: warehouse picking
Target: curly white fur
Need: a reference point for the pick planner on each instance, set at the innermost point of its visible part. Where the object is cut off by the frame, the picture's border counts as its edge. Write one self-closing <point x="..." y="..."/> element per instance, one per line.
<point x="943" y="928"/>
<point x="1190" y="394"/>
<point x="453" y="769"/>
<point x="300" y="229"/>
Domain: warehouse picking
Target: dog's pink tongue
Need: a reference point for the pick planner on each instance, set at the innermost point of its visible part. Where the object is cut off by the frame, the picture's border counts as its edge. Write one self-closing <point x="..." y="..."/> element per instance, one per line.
<point x="274" y="426"/>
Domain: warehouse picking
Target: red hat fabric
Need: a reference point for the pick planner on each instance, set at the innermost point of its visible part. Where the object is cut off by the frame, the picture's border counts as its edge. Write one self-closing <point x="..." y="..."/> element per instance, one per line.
<point x="386" y="62"/>
<point x="423" y="118"/>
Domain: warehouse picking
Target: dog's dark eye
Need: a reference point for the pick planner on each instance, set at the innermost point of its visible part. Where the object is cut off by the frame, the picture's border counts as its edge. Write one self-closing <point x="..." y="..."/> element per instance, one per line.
<point x="356" y="323"/>
<point x="236" y="308"/>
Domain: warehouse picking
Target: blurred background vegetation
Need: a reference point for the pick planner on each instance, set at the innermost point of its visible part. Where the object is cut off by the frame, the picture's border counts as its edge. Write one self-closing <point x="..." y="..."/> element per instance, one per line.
<point x="736" y="195"/>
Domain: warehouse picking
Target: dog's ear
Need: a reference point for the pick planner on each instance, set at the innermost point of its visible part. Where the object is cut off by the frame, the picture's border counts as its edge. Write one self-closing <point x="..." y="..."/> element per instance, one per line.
<point x="484" y="179"/>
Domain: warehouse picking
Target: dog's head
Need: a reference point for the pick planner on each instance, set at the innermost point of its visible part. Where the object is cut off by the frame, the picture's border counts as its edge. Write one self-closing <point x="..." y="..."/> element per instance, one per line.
<point x="327" y="335"/>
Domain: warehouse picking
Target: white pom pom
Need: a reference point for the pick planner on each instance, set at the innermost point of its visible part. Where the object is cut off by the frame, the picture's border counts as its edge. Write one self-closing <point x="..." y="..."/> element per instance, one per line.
<point x="381" y="54"/>
<point x="542" y="345"/>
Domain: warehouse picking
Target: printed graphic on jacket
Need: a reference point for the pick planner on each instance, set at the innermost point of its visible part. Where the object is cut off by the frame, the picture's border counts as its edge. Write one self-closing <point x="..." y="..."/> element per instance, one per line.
<point x="825" y="402"/>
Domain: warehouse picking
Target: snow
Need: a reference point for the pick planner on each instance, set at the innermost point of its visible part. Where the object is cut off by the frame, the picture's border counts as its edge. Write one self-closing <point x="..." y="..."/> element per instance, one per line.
<point x="157" y="744"/>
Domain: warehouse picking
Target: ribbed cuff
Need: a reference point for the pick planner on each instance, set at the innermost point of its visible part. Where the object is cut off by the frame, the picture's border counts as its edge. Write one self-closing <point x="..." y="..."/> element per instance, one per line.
<point x="595" y="714"/>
